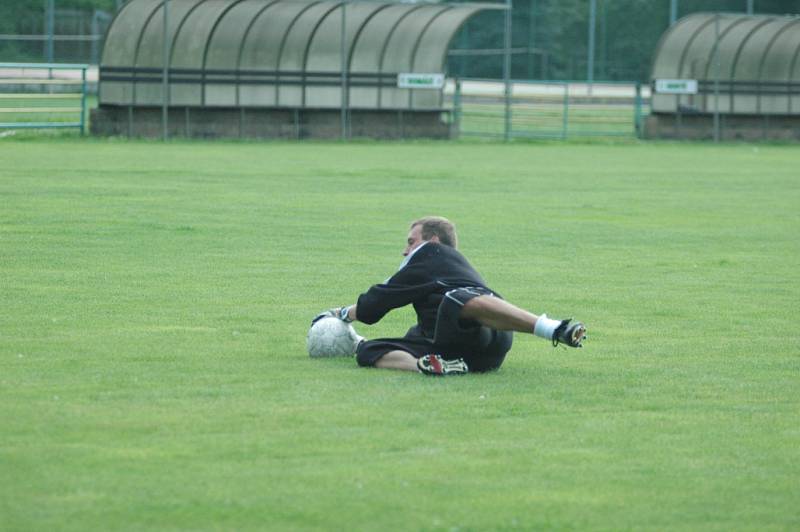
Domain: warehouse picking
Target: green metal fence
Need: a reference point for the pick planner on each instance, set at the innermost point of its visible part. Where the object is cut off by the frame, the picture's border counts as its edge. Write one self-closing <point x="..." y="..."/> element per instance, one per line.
<point x="43" y="96"/>
<point x="547" y="109"/>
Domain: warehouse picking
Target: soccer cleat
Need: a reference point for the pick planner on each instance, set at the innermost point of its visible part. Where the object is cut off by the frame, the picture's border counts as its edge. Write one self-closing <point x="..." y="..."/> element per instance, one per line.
<point x="436" y="365"/>
<point x="569" y="333"/>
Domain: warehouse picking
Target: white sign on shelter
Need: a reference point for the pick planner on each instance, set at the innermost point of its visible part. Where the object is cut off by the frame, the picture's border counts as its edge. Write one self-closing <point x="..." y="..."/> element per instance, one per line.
<point x="420" y="81"/>
<point x="676" y="86"/>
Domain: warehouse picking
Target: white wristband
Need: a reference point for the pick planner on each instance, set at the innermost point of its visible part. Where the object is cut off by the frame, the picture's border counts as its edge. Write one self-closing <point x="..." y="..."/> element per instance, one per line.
<point x="545" y="327"/>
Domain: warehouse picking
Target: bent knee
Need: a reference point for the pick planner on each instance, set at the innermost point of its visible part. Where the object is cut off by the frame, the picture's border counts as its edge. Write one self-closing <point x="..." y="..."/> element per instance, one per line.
<point x="367" y="354"/>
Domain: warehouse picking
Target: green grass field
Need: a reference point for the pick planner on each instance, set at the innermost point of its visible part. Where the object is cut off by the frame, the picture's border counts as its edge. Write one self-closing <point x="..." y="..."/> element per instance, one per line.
<point x="155" y="301"/>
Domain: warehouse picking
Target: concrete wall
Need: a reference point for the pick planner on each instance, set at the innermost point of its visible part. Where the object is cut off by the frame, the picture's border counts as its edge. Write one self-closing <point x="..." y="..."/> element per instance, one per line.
<point x="204" y="122"/>
<point x="732" y="127"/>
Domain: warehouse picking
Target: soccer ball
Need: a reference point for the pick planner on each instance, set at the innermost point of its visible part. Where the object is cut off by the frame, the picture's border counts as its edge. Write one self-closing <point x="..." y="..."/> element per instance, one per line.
<point x="331" y="337"/>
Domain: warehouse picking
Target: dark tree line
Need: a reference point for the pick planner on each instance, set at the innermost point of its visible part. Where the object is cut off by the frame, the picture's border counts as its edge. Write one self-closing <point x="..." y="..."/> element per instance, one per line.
<point x="19" y="16"/>
<point x="72" y="17"/>
<point x="550" y="37"/>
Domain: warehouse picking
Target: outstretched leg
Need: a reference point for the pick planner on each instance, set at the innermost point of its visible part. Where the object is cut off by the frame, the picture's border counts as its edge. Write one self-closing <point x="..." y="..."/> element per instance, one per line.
<point x="501" y="315"/>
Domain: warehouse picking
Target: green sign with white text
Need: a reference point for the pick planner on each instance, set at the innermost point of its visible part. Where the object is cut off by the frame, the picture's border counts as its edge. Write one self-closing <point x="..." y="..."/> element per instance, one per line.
<point x="676" y="86"/>
<point x="420" y="81"/>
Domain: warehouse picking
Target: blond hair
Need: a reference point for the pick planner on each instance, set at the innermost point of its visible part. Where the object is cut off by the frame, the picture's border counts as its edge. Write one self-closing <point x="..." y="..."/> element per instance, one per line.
<point x="442" y="228"/>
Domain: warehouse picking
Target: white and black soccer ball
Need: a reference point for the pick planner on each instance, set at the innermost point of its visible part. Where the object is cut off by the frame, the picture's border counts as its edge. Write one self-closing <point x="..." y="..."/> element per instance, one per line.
<point x="331" y="337"/>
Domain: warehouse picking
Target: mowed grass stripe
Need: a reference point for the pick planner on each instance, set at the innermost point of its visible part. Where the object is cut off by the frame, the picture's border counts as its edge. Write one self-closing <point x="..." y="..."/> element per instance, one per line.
<point x="156" y="299"/>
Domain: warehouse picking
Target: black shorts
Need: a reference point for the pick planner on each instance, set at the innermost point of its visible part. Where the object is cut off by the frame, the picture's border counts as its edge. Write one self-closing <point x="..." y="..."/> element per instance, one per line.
<point x="482" y="348"/>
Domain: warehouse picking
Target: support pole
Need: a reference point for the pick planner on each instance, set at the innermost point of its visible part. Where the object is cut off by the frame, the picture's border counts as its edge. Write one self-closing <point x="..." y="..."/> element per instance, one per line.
<point x="750" y="7"/>
<point x="343" y="53"/>
<point x="507" y="69"/>
<point x="51" y="29"/>
<point x="604" y="40"/>
<point x="637" y="111"/>
<point x="716" y="78"/>
<point x="531" y="35"/>
<point x="83" y="100"/>
<point x="457" y="109"/>
<point x="95" y="30"/>
<point x="165" y="76"/>
<point x="673" y="11"/>
<point x="565" y="113"/>
<point x="590" y="58"/>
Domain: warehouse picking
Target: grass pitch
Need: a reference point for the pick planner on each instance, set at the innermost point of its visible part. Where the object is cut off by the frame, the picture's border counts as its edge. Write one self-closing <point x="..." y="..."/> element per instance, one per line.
<point x="155" y="300"/>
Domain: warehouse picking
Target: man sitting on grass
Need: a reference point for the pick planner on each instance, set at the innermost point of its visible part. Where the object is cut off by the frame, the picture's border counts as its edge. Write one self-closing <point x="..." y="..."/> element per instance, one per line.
<point x="462" y="325"/>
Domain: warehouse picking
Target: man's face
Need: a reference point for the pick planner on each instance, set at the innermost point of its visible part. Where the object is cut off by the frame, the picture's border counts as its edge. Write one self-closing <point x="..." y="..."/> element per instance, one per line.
<point x="414" y="240"/>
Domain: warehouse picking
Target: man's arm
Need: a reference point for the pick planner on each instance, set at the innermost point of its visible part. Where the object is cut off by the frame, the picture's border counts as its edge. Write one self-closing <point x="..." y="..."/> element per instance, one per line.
<point x="404" y="287"/>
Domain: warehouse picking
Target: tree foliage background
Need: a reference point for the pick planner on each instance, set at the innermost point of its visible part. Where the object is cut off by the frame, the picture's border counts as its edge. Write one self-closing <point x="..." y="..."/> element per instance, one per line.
<point x="555" y="34"/>
<point x="72" y="17"/>
<point x="551" y="36"/>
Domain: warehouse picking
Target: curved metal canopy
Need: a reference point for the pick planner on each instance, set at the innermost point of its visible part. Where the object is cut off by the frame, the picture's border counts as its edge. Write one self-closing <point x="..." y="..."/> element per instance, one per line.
<point x="277" y="53"/>
<point x="756" y="69"/>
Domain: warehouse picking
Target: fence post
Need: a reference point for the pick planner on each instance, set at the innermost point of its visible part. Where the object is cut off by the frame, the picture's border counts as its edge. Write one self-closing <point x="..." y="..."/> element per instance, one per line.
<point x="51" y="29"/>
<point x="165" y="76"/>
<point x="590" y="54"/>
<point x="83" y="100"/>
<point x="716" y="77"/>
<point x="531" y="34"/>
<point x="457" y="109"/>
<point x="343" y="64"/>
<point x="565" y="122"/>
<point x="95" y="29"/>
<point x="637" y="112"/>
<point x="507" y="69"/>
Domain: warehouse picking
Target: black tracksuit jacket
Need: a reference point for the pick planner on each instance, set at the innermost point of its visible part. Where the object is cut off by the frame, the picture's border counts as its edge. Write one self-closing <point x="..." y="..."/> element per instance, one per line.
<point x="432" y="271"/>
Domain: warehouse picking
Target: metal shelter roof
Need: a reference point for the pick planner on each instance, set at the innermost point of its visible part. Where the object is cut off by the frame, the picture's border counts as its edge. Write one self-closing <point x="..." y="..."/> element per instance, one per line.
<point x="757" y="69"/>
<point x="277" y="53"/>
